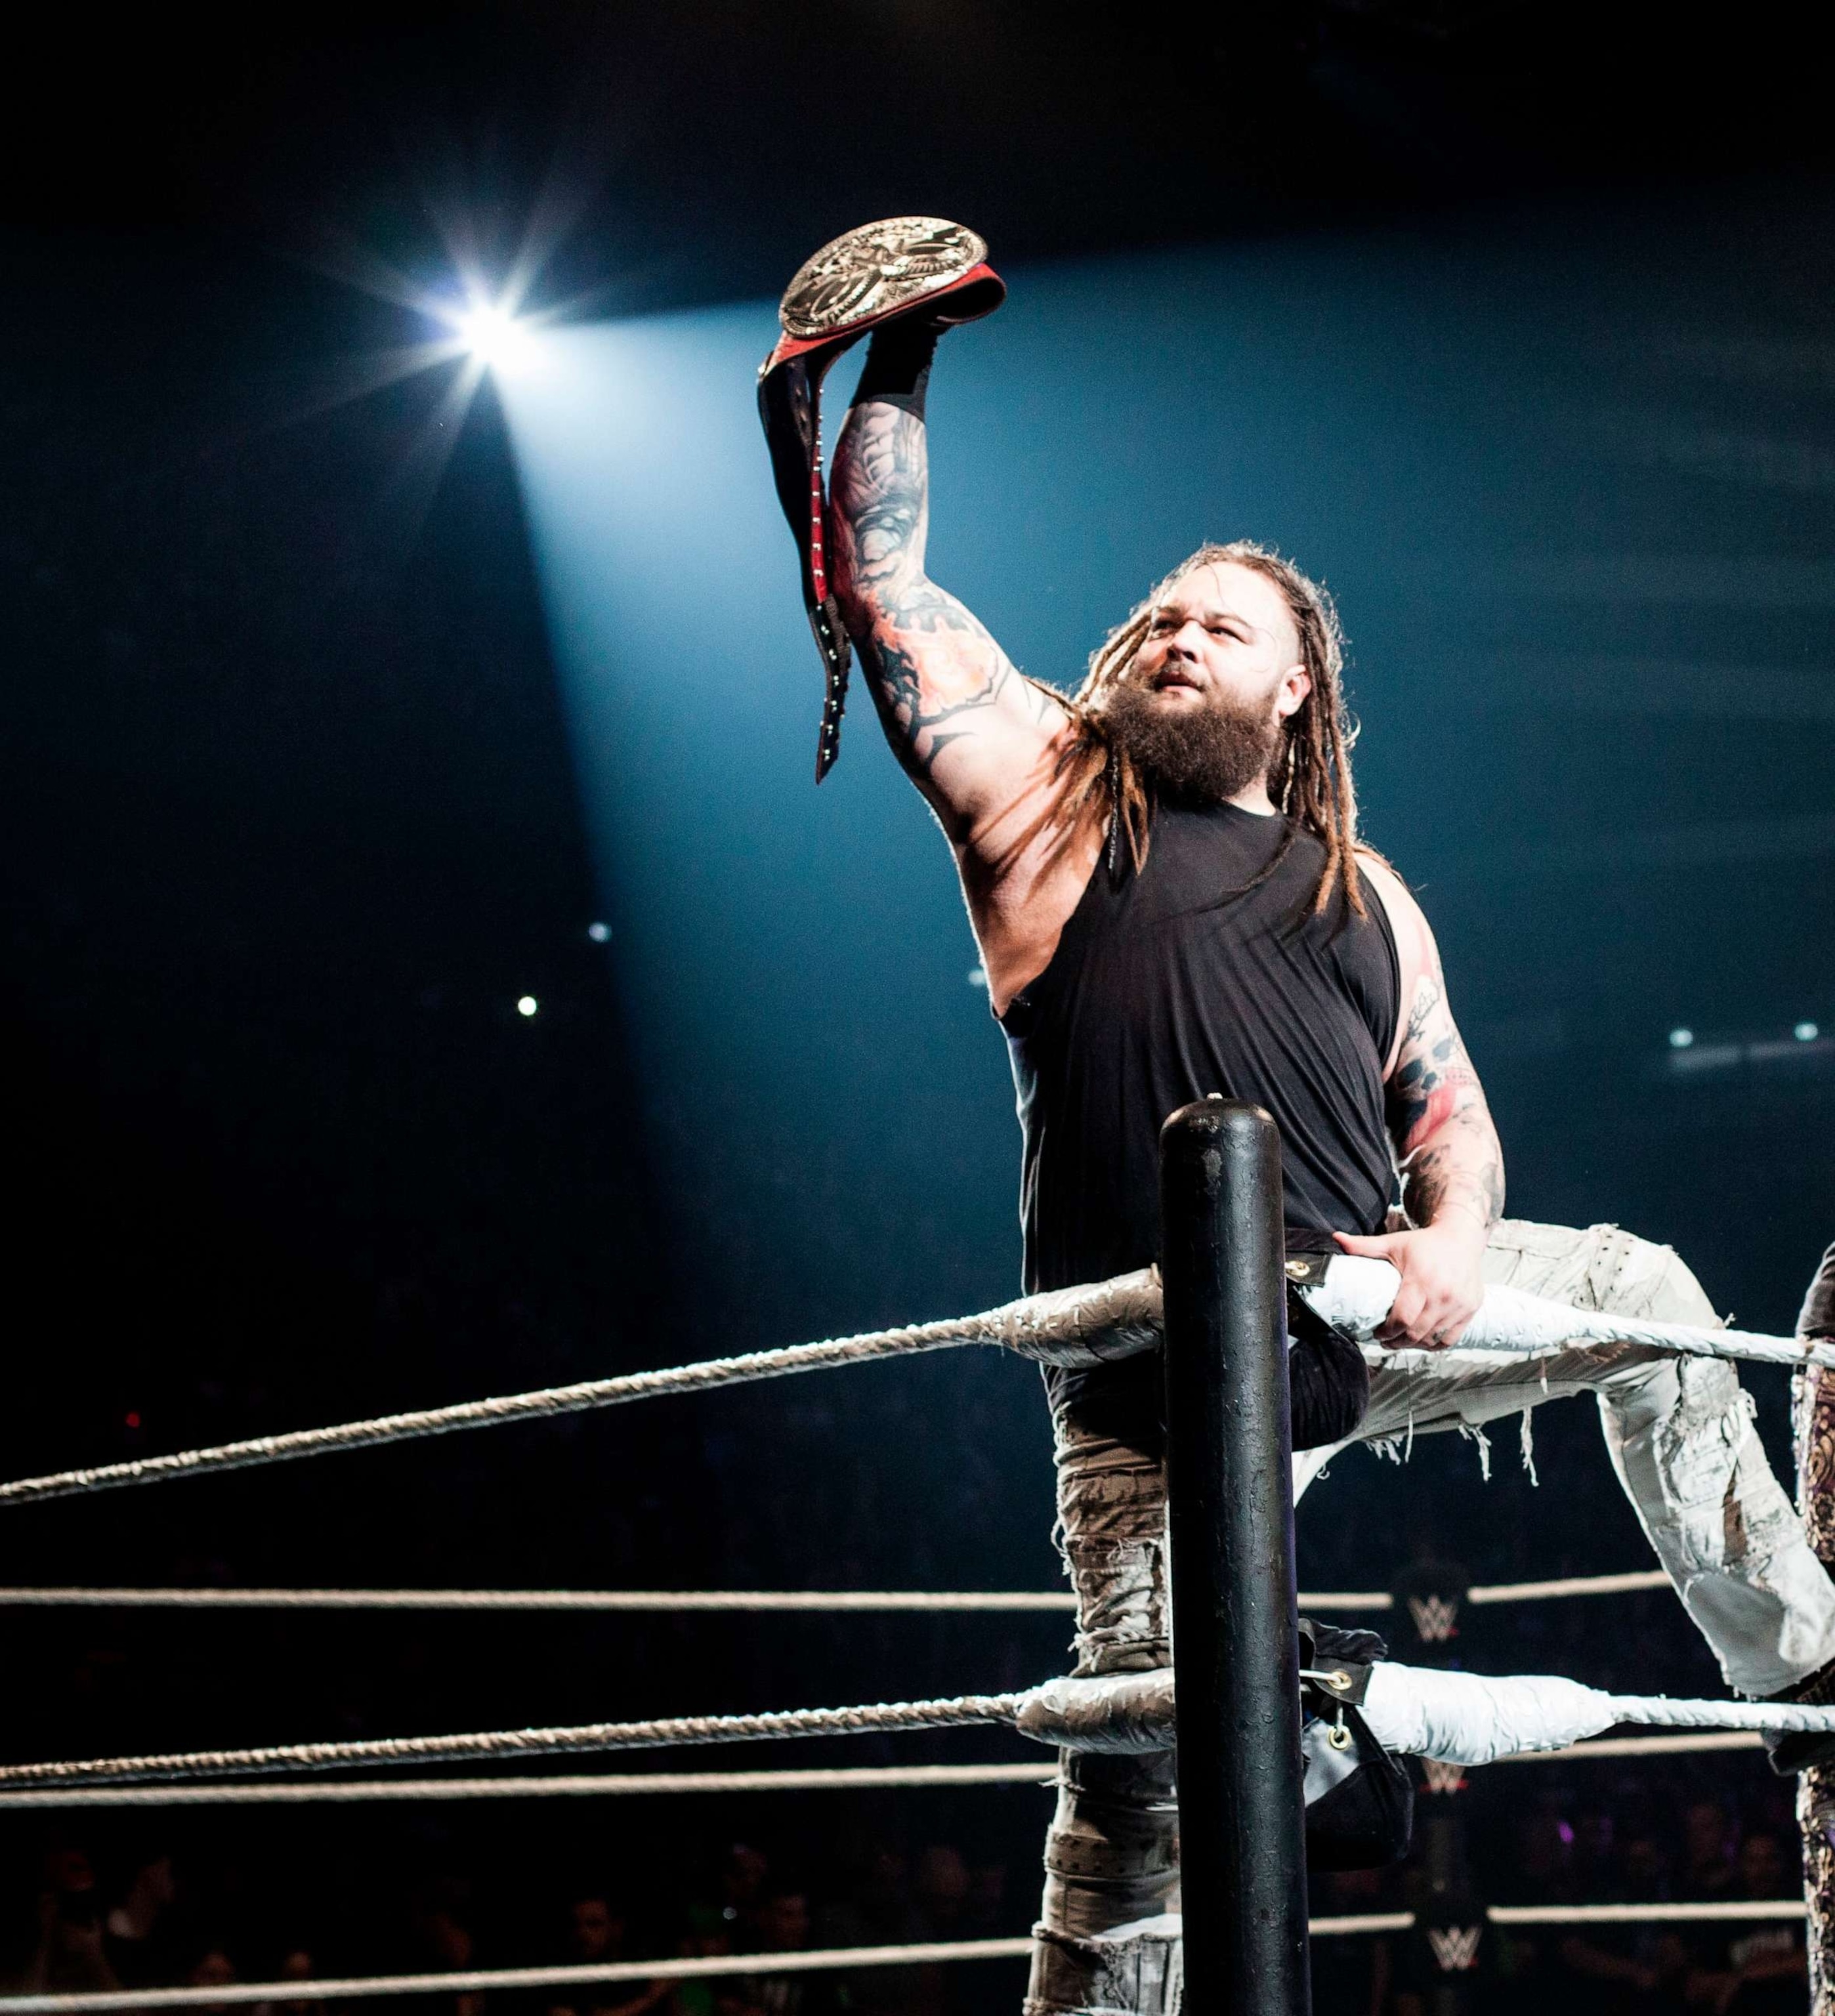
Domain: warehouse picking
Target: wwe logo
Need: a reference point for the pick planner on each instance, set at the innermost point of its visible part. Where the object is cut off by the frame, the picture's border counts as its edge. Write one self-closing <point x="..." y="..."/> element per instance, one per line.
<point x="1434" y="1617"/>
<point x="1455" y="1947"/>
<point x="1443" y="1777"/>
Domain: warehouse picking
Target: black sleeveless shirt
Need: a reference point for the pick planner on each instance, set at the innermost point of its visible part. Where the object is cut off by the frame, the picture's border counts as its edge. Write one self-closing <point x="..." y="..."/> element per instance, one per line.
<point x="1165" y="987"/>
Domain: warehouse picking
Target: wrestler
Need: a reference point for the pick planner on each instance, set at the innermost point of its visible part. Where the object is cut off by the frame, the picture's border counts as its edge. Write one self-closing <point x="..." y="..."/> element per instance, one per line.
<point x="1164" y="877"/>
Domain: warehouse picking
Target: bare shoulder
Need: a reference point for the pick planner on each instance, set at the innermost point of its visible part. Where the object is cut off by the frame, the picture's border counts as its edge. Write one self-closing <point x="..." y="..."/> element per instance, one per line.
<point x="1417" y="957"/>
<point x="1414" y="936"/>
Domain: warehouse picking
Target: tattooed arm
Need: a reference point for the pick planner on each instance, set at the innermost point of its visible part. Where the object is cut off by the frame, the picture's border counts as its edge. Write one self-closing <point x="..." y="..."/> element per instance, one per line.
<point x="1451" y="1163"/>
<point x="974" y="736"/>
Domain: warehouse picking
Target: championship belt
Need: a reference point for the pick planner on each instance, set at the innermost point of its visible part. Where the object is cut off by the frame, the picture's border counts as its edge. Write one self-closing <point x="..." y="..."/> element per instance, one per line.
<point x="903" y="265"/>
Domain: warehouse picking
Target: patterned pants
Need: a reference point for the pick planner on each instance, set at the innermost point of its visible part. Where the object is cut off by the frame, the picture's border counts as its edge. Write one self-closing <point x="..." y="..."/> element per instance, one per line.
<point x="1681" y="1440"/>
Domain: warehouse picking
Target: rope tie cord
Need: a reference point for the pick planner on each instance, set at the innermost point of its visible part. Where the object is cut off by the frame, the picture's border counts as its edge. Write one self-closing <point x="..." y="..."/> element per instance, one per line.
<point x="1070" y="1327"/>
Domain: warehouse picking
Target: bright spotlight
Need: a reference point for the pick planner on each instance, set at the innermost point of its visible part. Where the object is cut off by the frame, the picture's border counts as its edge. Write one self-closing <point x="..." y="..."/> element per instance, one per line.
<point x="494" y="336"/>
<point x="1806" y="1032"/>
<point x="1681" y="1039"/>
<point x="526" y="1004"/>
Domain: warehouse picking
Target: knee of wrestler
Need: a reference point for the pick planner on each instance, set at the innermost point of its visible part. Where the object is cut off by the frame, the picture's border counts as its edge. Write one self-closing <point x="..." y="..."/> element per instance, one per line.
<point x="1667" y="1288"/>
<point x="1640" y="1278"/>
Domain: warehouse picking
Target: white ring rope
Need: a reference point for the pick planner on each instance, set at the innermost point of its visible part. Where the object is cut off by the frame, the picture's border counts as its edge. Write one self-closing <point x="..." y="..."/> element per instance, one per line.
<point x="625" y="1784"/>
<point x="592" y="1785"/>
<point x="959" y="1712"/>
<point x="1660" y="1712"/>
<point x="241" y="1994"/>
<point x="1736" y="1912"/>
<point x="1535" y="1592"/>
<point x="1455" y="1717"/>
<point x="1623" y="1584"/>
<point x="536" y="1405"/>
<point x="1355" y="1294"/>
<point x="1080" y="1326"/>
<point x="1635" y="1746"/>
<point x="664" y="1601"/>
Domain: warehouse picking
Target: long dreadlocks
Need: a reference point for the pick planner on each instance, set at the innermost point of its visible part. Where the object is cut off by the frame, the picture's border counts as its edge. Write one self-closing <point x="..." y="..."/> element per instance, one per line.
<point x="1310" y="777"/>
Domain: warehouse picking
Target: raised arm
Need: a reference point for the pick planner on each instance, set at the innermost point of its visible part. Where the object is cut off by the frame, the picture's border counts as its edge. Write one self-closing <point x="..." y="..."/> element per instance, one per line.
<point x="975" y="737"/>
<point x="1450" y="1160"/>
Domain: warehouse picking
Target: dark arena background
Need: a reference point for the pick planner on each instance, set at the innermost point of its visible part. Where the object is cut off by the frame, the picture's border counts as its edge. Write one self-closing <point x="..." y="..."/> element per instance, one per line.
<point x="431" y="972"/>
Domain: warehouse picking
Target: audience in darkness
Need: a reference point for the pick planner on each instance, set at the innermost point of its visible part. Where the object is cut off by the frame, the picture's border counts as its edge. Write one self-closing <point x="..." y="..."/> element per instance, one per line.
<point x="1644" y="1842"/>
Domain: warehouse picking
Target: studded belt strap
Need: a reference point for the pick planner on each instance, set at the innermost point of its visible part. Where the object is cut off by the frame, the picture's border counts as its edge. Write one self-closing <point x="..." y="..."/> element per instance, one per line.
<point x="900" y="266"/>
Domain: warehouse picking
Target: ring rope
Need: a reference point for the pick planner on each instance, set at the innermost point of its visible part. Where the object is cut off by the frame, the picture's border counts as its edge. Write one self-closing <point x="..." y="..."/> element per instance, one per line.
<point x="958" y="1712"/>
<point x="1654" y="1711"/>
<point x="1535" y="1592"/>
<point x="621" y="1600"/>
<point x="697" y="1968"/>
<point x="1072" y="1325"/>
<point x="536" y="1405"/>
<point x="588" y="1785"/>
<point x="241" y="1994"/>
<point x="1682" y="1744"/>
<point x="608" y="1785"/>
<point x="663" y="1601"/>
<point x="1644" y="1914"/>
<point x="1623" y="1584"/>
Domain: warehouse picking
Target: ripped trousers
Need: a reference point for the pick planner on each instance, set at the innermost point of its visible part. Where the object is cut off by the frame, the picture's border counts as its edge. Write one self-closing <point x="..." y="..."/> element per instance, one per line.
<point x="1681" y="1436"/>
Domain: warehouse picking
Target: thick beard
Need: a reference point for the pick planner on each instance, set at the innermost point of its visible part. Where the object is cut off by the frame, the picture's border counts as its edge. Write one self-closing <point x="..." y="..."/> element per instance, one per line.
<point x="1196" y="755"/>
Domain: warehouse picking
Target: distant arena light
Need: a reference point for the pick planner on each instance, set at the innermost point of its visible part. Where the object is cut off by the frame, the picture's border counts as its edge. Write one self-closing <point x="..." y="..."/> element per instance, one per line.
<point x="496" y="337"/>
<point x="527" y="1004"/>
<point x="1680" y="1039"/>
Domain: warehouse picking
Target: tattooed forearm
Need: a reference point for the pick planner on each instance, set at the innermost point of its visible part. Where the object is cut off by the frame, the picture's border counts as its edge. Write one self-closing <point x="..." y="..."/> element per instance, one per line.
<point x="932" y="666"/>
<point x="1450" y="1156"/>
<point x="881" y="498"/>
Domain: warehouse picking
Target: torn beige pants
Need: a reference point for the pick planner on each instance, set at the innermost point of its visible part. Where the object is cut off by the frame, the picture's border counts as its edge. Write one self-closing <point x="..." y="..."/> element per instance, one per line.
<point x="1679" y="1432"/>
<point x="1682" y="1439"/>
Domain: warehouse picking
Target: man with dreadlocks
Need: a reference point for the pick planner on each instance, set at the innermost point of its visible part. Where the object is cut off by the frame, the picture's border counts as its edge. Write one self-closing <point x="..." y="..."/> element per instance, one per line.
<point x="1164" y="877"/>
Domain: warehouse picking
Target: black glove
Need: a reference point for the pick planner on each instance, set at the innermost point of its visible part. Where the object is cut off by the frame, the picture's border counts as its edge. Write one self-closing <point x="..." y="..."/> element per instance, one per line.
<point x="897" y="371"/>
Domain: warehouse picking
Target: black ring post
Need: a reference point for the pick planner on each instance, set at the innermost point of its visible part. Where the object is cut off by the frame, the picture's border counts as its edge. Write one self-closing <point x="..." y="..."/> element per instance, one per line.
<point x="1229" y="1490"/>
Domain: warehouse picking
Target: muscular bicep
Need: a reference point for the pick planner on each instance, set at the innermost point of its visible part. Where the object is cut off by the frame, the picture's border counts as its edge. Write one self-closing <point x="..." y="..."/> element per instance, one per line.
<point x="1433" y="1082"/>
<point x="1440" y="1124"/>
<point x="970" y="731"/>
